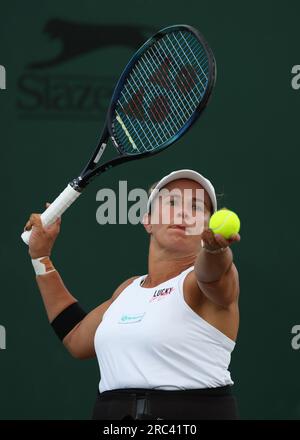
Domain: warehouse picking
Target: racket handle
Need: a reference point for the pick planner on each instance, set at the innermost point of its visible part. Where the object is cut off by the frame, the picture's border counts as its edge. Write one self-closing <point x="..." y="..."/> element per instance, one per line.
<point x="56" y="209"/>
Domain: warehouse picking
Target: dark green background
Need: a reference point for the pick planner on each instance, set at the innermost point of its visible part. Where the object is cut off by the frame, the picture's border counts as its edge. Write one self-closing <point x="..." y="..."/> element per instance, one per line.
<point x="247" y="143"/>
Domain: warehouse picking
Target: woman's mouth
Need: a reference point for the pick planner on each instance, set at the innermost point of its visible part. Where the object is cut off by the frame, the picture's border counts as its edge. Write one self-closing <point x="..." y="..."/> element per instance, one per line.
<point x="178" y="227"/>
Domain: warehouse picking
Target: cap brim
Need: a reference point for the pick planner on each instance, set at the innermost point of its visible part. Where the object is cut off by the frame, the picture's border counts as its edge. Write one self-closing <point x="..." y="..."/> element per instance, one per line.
<point x="185" y="174"/>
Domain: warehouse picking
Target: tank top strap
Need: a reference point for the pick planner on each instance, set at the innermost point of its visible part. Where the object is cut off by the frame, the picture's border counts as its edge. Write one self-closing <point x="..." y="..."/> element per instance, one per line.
<point x="138" y="280"/>
<point x="181" y="277"/>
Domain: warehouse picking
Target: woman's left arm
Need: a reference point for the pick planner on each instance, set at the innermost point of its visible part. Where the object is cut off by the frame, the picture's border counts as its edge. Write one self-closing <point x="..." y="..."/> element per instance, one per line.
<point x="215" y="272"/>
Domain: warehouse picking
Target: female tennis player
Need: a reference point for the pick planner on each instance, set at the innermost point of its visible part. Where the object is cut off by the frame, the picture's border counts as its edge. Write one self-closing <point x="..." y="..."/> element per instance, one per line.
<point x="163" y="340"/>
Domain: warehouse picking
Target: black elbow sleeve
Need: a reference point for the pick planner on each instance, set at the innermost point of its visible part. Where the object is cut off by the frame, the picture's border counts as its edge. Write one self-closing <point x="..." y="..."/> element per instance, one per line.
<point x="67" y="320"/>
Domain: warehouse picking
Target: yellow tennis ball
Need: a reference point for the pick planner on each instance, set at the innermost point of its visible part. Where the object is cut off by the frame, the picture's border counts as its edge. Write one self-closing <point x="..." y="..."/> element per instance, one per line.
<point x="225" y="223"/>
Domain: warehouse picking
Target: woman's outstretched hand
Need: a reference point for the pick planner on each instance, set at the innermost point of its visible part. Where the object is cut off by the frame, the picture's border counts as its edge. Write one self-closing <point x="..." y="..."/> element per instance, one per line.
<point x="213" y="242"/>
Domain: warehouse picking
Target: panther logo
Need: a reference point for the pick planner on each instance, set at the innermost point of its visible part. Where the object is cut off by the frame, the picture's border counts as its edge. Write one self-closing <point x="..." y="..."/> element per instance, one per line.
<point x="79" y="38"/>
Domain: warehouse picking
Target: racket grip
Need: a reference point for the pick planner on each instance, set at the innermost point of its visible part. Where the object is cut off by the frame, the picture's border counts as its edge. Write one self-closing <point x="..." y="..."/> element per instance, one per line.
<point x="56" y="209"/>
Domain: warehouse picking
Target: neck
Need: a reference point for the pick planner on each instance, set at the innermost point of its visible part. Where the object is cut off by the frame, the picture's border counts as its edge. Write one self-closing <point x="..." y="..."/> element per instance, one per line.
<point x="163" y="265"/>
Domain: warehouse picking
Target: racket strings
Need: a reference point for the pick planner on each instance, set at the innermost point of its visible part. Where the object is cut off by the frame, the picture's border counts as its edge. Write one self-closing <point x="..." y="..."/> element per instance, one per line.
<point x="162" y="92"/>
<point x="154" y="60"/>
<point x="162" y="106"/>
<point x="143" y="133"/>
<point x="187" y="59"/>
<point x="176" y="95"/>
<point x="143" y="70"/>
<point x="189" y="77"/>
<point x="158" y="112"/>
<point x="148" y="132"/>
<point x="194" y="56"/>
<point x="179" y="67"/>
<point x="137" y="110"/>
<point x="132" y="107"/>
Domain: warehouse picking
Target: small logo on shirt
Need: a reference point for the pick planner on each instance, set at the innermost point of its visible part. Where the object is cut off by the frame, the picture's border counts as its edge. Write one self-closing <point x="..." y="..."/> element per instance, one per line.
<point x="161" y="293"/>
<point x="130" y="319"/>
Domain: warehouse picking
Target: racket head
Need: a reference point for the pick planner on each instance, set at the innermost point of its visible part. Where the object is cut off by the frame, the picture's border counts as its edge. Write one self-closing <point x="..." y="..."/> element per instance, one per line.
<point x="162" y="91"/>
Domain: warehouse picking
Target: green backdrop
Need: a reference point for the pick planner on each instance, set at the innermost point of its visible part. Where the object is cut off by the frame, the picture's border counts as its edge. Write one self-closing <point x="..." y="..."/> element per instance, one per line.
<point x="246" y="143"/>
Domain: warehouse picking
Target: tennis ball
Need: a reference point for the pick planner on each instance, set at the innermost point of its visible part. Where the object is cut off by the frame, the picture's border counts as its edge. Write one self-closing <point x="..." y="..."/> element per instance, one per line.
<point x="225" y="223"/>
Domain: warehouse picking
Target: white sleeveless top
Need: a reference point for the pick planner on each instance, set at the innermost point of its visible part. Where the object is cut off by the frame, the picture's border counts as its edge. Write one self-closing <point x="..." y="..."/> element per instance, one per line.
<point x="151" y="338"/>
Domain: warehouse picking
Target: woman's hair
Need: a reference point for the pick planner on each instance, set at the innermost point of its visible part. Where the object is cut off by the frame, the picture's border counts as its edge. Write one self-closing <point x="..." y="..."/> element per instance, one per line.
<point x="150" y="189"/>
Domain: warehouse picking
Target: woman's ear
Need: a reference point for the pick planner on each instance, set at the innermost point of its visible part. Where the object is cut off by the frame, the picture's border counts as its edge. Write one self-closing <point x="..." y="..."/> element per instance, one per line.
<point x="146" y="222"/>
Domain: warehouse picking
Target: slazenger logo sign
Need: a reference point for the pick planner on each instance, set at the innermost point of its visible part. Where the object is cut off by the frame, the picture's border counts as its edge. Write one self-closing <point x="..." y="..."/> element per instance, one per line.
<point x="43" y="93"/>
<point x="161" y="293"/>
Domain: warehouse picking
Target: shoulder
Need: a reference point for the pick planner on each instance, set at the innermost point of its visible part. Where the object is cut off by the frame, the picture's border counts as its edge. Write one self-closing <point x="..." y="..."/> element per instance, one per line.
<point x="123" y="286"/>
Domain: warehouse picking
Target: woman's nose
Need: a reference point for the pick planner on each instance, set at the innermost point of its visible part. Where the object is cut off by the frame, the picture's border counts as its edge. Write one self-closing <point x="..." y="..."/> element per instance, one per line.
<point x="183" y="213"/>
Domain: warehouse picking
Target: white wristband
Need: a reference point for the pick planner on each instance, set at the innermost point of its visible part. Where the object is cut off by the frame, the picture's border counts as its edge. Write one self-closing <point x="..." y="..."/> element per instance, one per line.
<point x="42" y="265"/>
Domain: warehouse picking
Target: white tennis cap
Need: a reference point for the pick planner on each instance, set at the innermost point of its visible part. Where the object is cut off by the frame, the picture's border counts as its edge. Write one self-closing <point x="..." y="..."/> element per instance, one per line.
<point x="185" y="174"/>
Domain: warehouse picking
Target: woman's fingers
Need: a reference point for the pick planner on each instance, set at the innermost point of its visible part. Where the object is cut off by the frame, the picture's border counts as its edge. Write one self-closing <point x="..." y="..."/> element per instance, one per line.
<point x="215" y="241"/>
<point x="209" y="239"/>
<point x="222" y="242"/>
<point x="236" y="237"/>
<point x="28" y="225"/>
<point x="34" y="220"/>
<point x="233" y="238"/>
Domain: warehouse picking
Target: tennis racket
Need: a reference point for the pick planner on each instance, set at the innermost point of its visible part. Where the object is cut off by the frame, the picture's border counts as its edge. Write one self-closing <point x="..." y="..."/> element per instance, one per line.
<point x="160" y="94"/>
